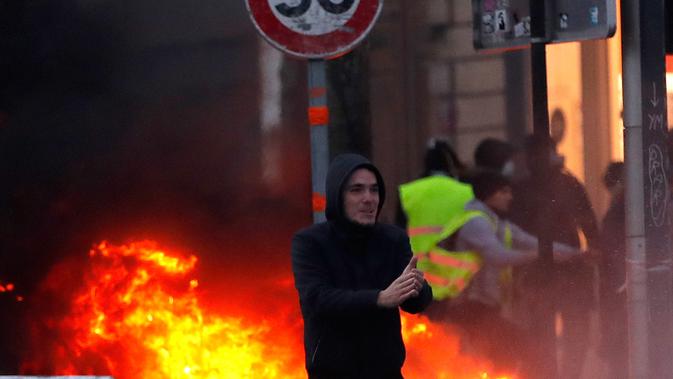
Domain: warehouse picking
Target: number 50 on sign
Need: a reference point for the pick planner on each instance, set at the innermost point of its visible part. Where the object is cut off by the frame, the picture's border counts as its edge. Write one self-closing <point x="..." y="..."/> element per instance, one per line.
<point x="316" y="29"/>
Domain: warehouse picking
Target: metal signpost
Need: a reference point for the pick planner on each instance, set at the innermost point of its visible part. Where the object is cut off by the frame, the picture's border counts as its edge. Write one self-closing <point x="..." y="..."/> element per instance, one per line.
<point x="315" y="30"/>
<point x="648" y="227"/>
<point x="634" y="197"/>
<point x="543" y="323"/>
<point x="656" y="187"/>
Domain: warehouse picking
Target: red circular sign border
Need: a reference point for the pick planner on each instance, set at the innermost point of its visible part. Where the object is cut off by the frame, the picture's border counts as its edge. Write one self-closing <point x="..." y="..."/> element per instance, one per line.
<point x="323" y="46"/>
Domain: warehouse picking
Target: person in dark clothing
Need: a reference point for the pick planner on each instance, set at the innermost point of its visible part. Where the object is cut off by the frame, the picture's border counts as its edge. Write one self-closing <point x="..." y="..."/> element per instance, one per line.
<point x="555" y="194"/>
<point x="352" y="274"/>
<point x="614" y="344"/>
<point x="494" y="154"/>
<point x="570" y="209"/>
<point x="440" y="156"/>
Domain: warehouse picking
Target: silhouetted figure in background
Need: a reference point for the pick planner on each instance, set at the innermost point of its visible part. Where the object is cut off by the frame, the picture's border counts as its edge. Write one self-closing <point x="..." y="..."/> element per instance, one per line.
<point x="614" y="342"/>
<point x="494" y="154"/>
<point x="559" y="200"/>
<point x="440" y="155"/>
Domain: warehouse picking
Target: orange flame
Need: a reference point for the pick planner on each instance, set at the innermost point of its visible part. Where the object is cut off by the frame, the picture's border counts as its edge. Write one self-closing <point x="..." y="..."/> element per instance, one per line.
<point x="137" y="315"/>
<point x="434" y="351"/>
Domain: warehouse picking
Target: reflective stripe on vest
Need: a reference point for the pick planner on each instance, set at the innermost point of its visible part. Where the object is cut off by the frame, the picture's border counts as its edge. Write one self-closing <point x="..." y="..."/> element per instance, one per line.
<point x="441" y="257"/>
<point x="446" y="282"/>
<point x="449" y="272"/>
<point x="445" y="286"/>
<point x="424" y="230"/>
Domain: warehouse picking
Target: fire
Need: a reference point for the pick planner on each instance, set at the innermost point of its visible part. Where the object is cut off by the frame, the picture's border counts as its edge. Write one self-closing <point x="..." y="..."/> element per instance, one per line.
<point x="136" y="313"/>
<point x="138" y="316"/>
<point x="434" y="351"/>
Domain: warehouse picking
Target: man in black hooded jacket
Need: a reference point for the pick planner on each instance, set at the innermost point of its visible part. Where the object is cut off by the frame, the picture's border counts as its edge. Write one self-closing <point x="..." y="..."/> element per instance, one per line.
<point x="352" y="274"/>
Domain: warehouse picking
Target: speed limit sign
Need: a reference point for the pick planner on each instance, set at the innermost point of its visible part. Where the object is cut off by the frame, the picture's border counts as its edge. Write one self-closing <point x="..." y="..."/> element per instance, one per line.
<point x="315" y="29"/>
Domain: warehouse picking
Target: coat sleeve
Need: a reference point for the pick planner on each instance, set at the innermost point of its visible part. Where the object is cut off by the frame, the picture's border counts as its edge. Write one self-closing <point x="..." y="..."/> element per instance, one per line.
<point x="317" y="294"/>
<point x="420" y="302"/>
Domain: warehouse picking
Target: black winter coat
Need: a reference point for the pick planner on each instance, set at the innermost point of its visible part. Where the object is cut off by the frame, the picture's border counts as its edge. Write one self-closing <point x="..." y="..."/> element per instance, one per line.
<point x="339" y="269"/>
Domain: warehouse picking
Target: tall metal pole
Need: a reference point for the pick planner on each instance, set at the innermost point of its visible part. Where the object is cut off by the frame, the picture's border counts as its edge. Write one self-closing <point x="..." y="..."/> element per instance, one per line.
<point x="648" y="253"/>
<point x="657" y="190"/>
<point x="541" y="109"/>
<point x="546" y="338"/>
<point x="318" y="117"/>
<point x="636" y="270"/>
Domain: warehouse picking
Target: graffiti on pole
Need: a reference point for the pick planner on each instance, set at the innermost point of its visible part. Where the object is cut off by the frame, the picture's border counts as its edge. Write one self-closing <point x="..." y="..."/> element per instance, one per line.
<point x="658" y="185"/>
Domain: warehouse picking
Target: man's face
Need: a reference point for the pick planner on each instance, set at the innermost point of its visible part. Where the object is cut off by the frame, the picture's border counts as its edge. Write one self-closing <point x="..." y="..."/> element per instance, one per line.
<point x="361" y="197"/>
<point x="501" y="199"/>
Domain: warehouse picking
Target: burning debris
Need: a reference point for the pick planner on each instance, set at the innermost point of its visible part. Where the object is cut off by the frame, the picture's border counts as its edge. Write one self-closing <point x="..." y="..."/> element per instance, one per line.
<point x="137" y="315"/>
<point x="134" y="311"/>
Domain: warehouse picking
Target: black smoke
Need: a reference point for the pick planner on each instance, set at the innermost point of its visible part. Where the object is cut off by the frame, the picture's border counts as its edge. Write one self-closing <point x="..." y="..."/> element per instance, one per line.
<point x="123" y="120"/>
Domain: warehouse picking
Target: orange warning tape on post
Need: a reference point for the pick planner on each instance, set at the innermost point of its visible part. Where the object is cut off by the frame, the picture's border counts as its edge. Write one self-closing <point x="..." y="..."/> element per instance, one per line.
<point x="319" y="202"/>
<point x="318" y="115"/>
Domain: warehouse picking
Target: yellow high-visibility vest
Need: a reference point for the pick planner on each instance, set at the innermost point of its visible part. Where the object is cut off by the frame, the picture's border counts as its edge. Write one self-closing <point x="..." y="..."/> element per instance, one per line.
<point x="435" y="209"/>
<point x="433" y="204"/>
<point x="449" y="272"/>
<point x="429" y="203"/>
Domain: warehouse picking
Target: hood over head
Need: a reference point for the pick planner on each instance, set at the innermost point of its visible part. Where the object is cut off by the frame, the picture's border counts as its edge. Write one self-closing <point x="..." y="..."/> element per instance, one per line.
<point x="340" y="170"/>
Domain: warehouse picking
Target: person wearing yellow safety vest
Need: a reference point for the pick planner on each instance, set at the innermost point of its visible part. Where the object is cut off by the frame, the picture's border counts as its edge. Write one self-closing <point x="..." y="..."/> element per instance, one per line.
<point x="479" y="241"/>
<point x="427" y="204"/>
<point x="430" y="203"/>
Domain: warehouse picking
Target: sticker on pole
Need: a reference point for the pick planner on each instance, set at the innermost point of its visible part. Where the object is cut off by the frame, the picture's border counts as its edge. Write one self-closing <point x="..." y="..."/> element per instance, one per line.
<point x="315" y="29"/>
